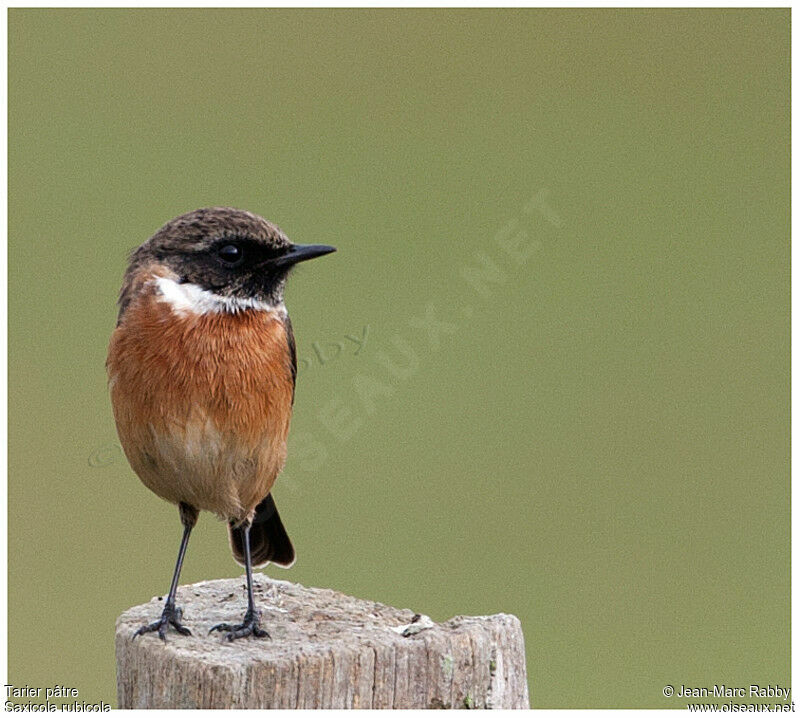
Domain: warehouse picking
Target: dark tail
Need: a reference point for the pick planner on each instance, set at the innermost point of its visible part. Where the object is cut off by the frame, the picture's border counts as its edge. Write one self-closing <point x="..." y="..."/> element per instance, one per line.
<point x="268" y="539"/>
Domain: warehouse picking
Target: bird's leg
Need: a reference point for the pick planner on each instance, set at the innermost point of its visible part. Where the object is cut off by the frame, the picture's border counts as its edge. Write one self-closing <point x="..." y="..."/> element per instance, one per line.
<point x="251" y="623"/>
<point x="171" y="616"/>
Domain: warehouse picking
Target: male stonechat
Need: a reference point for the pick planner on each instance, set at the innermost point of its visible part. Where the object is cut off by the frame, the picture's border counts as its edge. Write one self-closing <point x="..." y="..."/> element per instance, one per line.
<point x="202" y="367"/>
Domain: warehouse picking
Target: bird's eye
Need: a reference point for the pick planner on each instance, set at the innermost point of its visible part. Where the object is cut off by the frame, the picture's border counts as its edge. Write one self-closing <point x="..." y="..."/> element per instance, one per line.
<point x="231" y="254"/>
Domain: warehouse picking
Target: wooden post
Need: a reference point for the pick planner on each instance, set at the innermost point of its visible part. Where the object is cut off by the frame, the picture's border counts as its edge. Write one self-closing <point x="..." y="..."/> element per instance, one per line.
<point x="327" y="650"/>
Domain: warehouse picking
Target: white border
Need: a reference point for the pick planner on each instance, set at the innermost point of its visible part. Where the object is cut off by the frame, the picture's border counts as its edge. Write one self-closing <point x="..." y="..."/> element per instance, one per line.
<point x="795" y="583"/>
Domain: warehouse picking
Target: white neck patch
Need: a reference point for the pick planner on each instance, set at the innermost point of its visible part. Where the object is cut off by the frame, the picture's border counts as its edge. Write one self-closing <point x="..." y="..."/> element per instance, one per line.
<point x="192" y="299"/>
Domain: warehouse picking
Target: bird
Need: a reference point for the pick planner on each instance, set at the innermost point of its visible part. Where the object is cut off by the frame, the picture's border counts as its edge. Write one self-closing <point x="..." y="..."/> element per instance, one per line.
<point x="202" y="366"/>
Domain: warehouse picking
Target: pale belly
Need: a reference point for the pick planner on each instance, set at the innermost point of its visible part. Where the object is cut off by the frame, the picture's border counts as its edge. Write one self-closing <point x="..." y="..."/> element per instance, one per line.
<point x="199" y="465"/>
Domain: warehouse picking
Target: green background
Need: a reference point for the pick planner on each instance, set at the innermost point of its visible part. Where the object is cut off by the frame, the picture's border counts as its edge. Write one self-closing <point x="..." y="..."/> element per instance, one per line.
<point x="599" y="441"/>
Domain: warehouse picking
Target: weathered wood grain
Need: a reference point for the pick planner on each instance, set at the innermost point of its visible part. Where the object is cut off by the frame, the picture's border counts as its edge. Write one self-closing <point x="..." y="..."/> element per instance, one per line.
<point x="327" y="650"/>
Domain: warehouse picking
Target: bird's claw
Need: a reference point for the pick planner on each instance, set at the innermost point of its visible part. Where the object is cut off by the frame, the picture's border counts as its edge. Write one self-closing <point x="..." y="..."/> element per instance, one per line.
<point x="170" y="617"/>
<point x="250" y="626"/>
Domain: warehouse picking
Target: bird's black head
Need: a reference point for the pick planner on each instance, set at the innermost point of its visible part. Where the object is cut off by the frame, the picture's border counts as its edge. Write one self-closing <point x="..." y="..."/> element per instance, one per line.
<point x="230" y="252"/>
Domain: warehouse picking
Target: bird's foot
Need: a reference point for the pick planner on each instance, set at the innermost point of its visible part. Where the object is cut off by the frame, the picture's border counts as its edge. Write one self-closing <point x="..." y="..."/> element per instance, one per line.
<point x="170" y="617"/>
<point x="250" y="626"/>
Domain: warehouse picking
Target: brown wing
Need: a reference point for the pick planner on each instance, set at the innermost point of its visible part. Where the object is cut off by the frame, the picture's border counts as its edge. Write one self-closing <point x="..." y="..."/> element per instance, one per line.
<point x="292" y="352"/>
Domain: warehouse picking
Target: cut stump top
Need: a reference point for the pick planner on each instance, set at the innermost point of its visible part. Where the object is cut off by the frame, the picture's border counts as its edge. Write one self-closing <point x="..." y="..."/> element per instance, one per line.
<point x="327" y="650"/>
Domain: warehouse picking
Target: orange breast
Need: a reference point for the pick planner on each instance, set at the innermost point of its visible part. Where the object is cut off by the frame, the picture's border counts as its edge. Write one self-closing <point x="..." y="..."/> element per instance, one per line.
<point x="202" y="402"/>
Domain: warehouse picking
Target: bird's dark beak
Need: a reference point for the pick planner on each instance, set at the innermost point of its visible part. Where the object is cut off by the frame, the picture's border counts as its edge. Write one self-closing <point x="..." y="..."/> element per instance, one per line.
<point x="302" y="252"/>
